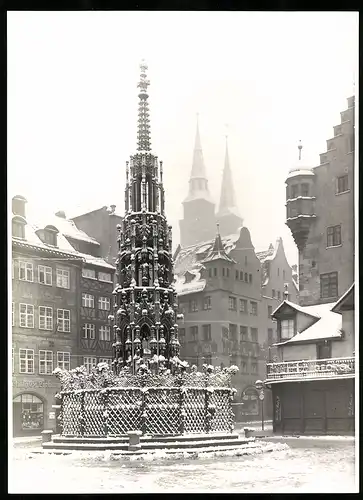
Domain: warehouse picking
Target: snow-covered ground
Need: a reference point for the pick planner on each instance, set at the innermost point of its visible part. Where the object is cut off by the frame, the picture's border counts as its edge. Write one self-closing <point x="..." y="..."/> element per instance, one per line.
<point x="320" y="465"/>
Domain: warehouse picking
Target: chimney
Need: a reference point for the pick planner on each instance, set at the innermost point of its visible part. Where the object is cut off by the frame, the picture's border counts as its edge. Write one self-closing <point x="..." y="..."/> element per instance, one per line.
<point x="61" y="214"/>
<point x="113" y="207"/>
<point x="18" y="205"/>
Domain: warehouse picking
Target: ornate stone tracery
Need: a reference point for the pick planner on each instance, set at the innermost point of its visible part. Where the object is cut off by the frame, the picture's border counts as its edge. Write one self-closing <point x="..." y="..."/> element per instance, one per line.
<point x="145" y="298"/>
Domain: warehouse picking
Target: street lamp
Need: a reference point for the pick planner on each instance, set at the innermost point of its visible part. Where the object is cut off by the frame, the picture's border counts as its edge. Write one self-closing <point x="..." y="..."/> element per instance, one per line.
<point x="261" y="396"/>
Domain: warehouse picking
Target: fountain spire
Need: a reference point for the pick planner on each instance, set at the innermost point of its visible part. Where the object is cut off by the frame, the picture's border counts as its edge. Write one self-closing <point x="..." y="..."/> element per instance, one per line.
<point x="143" y="127"/>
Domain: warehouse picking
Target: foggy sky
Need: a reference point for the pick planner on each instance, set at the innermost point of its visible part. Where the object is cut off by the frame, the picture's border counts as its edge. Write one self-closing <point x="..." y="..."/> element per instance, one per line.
<point x="274" y="78"/>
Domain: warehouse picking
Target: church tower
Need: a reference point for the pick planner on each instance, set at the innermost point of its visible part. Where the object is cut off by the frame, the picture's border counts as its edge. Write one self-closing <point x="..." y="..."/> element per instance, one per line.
<point x="198" y="223"/>
<point x="228" y="216"/>
<point x="145" y="297"/>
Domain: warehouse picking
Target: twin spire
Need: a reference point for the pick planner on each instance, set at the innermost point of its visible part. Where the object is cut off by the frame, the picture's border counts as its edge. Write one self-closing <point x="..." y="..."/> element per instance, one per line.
<point x="198" y="182"/>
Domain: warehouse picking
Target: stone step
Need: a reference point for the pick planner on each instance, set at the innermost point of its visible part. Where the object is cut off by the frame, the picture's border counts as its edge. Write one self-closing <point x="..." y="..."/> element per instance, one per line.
<point x="146" y="446"/>
<point x="146" y="438"/>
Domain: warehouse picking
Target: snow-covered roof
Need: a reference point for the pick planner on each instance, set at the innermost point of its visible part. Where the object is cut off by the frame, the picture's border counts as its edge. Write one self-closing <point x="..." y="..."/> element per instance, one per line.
<point x="293" y="172"/>
<point x="346" y="299"/>
<point x="96" y="261"/>
<point x="193" y="286"/>
<point x="327" y="323"/>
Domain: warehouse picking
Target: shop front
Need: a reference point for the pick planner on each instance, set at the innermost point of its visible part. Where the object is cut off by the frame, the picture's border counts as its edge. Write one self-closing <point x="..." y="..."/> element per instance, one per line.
<point x="33" y="399"/>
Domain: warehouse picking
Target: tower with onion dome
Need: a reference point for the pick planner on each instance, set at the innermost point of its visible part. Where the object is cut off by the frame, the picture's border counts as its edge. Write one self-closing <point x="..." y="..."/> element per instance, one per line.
<point x="145" y="298"/>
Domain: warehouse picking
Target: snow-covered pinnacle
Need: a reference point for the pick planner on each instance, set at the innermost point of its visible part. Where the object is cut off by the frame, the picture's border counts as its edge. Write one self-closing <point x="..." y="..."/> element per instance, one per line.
<point x="143" y="128"/>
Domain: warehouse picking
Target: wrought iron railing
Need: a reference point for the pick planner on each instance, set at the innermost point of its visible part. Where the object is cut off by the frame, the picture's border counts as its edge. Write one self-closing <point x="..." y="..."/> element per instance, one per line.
<point x="311" y="368"/>
<point x="113" y="411"/>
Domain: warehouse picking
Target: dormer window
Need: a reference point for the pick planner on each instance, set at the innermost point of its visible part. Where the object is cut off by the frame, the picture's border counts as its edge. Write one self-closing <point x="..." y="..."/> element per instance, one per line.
<point x="49" y="235"/>
<point x="287" y="329"/>
<point x="18" y="227"/>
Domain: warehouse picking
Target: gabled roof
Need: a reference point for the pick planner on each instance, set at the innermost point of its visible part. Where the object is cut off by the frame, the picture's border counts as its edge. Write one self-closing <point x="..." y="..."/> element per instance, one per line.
<point x="346" y="301"/>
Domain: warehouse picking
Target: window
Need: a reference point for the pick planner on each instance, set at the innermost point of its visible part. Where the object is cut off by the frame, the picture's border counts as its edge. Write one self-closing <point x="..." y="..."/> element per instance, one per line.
<point x="89" y="363"/>
<point x="207" y="334"/>
<point x="254" y="308"/>
<point x="45" y="275"/>
<point x="287" y="328"/>
<point x="342" y="184"/>
<point x="63" y="360"/>
<point x="278" y="271"/>
<point x="45" y="362"/>
<point x="193" y="306"/>
<point x="232" y="332"/>
<point x="62" y="278"/>
<point x="18" y="229"/>
<point x="104" y="303"/>
<point x="246" y="277"/>
<point x="106" y="360"/>
<point x="334" y="236"/>
<point x="194" y="332"/>
<point x="227" y="271"/>
<point x="245" y="260"/>
<point x="26" y="271"/>
<point x="328" y="285"/>
<point x="269" y="311"/>
<point x="253" y="367"/>
<point x="89" y="273"/>
<point x="182" y="334"/>
<point x="105" y="332"/>
<point x="323" y="350"/>
<point x="105" y="277"/>
<point x="208" y="359"/>
<point x="225" y="332"/>
<point x="215" y="271"/>
<point x="250" y="278"/>
<point x="237" y="274"/>
<point x="50" y="237"/>
<point x="304" y="189"/>
<point x="278" y="295"/>
<point x="223" y="271"/>
<point x="26" y="315"/>
<point x="63" y="320"/>
<point x="89" y="331"/>
<point x="294" y="191"/>
<point x="273" y="293"/>
<point x="242" y="305"/>
<point x="270" y="336"/>
<point x="26" y="361"/>
<point x="45" y="318"/>
<point x="232" y="303"/>
<point x="210" y="272"/>
<point x="243" y="333"/>
<point x="32" y="411"/>
<point x="243" y="366"/>
<point x="88" y="300"/>
<point x="283" y="274"/>
<point x="207" y="303"/>
<point x="12" y="314"/>
<point x="241" y="275"/>
<point x="254" y="335"/>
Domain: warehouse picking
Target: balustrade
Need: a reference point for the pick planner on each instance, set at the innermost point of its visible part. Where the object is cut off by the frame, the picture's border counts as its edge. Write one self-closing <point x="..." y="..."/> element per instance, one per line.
<point x="311" y="368"/>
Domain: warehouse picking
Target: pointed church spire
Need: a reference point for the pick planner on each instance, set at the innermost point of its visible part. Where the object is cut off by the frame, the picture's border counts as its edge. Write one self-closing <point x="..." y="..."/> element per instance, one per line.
<point x="143" y="127"/>
<point x="227" y="204"/>
<point x="198" y="182"/>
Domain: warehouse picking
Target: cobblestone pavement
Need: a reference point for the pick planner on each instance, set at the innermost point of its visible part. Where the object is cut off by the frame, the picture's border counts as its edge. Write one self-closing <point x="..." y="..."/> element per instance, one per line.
<point x="306" y="464"/>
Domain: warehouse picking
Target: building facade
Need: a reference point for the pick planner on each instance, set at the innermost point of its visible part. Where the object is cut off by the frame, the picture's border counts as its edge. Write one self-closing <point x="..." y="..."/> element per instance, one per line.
<point x="312" y="381"/>
<point x="102" y="224"/>
<point x="225" y="295"/>
<point x="53" y="265"/>
<point x="320" y="214"/>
